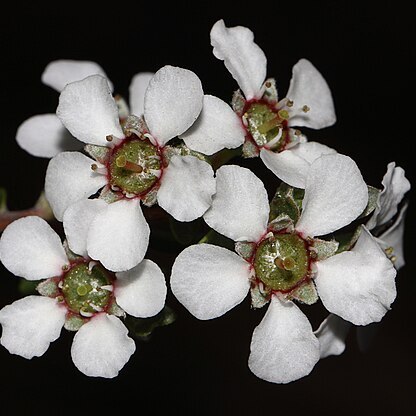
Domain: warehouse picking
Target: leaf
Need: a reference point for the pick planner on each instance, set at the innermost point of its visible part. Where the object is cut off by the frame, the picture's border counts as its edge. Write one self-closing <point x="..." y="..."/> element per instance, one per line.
<point x="324" y="249"/>
<point x="245" y="249"/>
<point x="99" y="153"/>
<point x="346" y="240"/>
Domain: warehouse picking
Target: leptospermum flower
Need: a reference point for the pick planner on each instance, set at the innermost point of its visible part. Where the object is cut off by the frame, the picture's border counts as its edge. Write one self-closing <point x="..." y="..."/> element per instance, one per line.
<point x="387" y="225"/>
<point x="268" y="121"/>
<point x="78" y="294"/>
<point x="282" y="262"/>
<point x="44" y="135"/>
<point x="131" y="164"/>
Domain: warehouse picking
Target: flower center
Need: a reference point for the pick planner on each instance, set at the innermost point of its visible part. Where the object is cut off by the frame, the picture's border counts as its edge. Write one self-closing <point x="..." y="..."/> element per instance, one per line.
<point x="135" y="166"/>
<point x="282" y="261"/>
<point x="87" y="291"/>
<point x="267" y="126"/>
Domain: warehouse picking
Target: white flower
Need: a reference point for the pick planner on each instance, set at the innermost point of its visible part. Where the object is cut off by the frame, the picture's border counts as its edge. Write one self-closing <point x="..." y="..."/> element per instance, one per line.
<point x="333" y="330"/>
<point x="78" y="294"/>
<point x="132" y="166"/>
<point x="357" y="285"/>
<point x="268" y="122"/>
<point x="43" y="135"/>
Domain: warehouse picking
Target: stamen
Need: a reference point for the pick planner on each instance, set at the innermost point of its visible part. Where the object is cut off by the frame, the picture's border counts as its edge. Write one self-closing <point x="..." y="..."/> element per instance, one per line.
<point x="113" y="140"/>
<point x="91" y="265"/>
<point x="272" y="142"/>
<point x="65" y="267"/>
<point x="61" y="284"/>
<point x="129" y="195"/>
<point x="389" y="251"/>
<point x="100" y="170"/>
<point x="115" y="188"/>
<point x="85" y="313"/>
<point x="298" y="132"/>
<point x="109" y="288"/>
<point x="244" y="119"/>
<point x="268" y="84"/>
<point x="122" y="162"/>
<point x="305" y="108"/>
<point x="96" y="307"/>
<point x="289" y="103"/>
<point x="156" y="172"/>
<point x="151" y="139"/>
<point x="393" y="259"/>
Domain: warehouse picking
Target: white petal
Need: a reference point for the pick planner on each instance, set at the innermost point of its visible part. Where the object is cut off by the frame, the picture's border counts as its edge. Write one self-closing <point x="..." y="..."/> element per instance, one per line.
<point x="310" y="151"/>
<point x="357" y="285"/>
<point x="31" y="324"/>
<point x="88" y="110"/>
<point x="335" y="195"/>
<point x="141" y="291"/>
<point x="45" y="136"/>
<point x="283" y="347"/>
<point x="119" y="235"/>
<point x="216" y="127"/>
<point x="240" y="207"/>
<point x="209" y="280"/>
<point x="58" y="74"/>
<point x="102" y="347"/>
<point x="308" y="87"/>
<point x="69" y="178"/>
<point x="186" y="189"/>
<point x="242" y="57"/>
<point x="287" y="166"/>
<point x="331" y="335"/>
<point x="137" y="90"/>
<point x="29" y="248"/>
<point x="77" y="220"/>
<point x="393" y="238"/>
<point x="395" y="185"/>
<point x="172" y="102"/>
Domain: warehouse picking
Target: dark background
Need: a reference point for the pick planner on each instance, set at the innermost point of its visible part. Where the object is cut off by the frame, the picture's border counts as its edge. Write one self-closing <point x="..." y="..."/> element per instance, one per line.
<point x="366" y="54"/>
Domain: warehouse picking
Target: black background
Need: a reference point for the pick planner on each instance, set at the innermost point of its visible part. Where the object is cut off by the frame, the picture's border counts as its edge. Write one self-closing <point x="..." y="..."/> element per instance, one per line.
<point x="366" y="53"/>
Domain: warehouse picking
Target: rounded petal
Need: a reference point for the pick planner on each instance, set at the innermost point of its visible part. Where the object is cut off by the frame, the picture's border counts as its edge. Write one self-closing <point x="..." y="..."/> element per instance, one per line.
<point x="216" y="127"/>
<point x="88" y="110"/>
<point x="310" y="151"/>
<point x="240" y="207"/>
<point x="44" y="136"/>
<point x="335" y="195"/>
<point x="395" y="185"/>
<point x="331" y="335"/>
<point x="287" y="166"/>
<point x="186" y="189"/>
<point x="69" y="178"/>
<point x="58" y="74"/>
<point x="29" y="248"/>
<point x="102" y="347"/>
<point x="137" y="90"/>
<point x="242" y="57"/>
<point x="357" y="285"/>
<point x="141" y="291"/>
<point x="77" y="220"/>
<point x="172" y="102"/>
<point x="283" y="347"/>
<point x="119" y="235"/>
<point x="31" y="324"/>
<point x="308" y="87"/>
<point x="209" y="280"/>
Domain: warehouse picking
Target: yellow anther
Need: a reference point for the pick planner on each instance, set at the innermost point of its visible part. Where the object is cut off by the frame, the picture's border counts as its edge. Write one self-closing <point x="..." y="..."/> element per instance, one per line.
<point x="268" y="84"/>
<point x="298" y="132"/>
<point x="289" y="103"/>
<point x="94" y="166"/>
<point x="389" y="251"/>
<point x="109" y="138"/>
<point x="305" y="108"/>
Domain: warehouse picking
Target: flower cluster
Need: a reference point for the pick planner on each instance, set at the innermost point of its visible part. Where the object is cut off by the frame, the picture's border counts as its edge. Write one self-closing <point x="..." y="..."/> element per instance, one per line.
<point x="325" y="236"/>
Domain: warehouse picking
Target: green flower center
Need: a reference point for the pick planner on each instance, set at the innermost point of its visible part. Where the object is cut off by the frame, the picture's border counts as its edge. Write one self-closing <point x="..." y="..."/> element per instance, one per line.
<point x="282" y="261"/>
<point x="86" y="291"/>
<point x="135" y="166"/>
<point x="266" y="125"/>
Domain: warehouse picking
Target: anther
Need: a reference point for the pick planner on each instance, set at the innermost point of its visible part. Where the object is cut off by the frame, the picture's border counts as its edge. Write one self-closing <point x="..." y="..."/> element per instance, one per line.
<point x="65" y="267"/>
<point x="389" y="251"/>
<point x="268" y="84"/>
<point x="393" y="259"/>
<point x="113" y="140"/>
<point x="122" y="162"/>
<point x="305" y="108"/>
<point x="101" y="170"/>
<point x="298" y="132"/>
<point x="289" y="103"/>
<point x="151" y="139"/>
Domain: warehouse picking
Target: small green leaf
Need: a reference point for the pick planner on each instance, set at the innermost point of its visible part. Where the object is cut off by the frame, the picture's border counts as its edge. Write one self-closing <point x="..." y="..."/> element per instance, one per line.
<point x="287" y="201"/>
<point x="48" y="287"/>
<point x="282" y="222"/>
<point x="305" y="293"/>
<point x="324" y="249"/>
<point x="238" y="102"/>
<point x="259" y="297"/>
<point x="135" y="125"/>
<point x="150" y="198"/>
<point x="69" y="253"/>
<point x="373" y="195"/>
<point x="99" y="153"/>
<point x="109" y="196"/>
<point x="250" y="149"/>
<point x="245" y="249"/>
<point x="142" y="328"/>
<point x="347" y="239"/>
<point x="115" y="310"/>
<point x="73" y="322"/>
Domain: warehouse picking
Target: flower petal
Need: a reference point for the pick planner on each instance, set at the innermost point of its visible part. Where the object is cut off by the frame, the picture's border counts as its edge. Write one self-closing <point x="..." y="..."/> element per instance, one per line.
<point x="137" y="90"/>
<point x="58" y="74"/>
<point x="395" y="185"/>
<point x="119" y="235"/>
<point x="29" y="248"/>
<point x="186" y="189"/>
<point x="393" y="238"/>
<point x="357" y="285"/>
<point x="283" y="347"/>
<point x="216" y="127"/>
<point x="331" y="335"/>
<point x="287" y="166"/>
<point x="310" y="151"/>
<point x="308" y="87"/>
<point x="31" y="324"/>
<point x="240" y="208"/>
<point x="88" y="110"/>
<point x="209" y="280"/>
<point x="77" y="220"/>
<point x="102" y="347"/>
<point x="141" y="291"/>
<point x="242" y="57"/>
<point x="44" y="136"/>
<point x="335" y="195"/>
<point x="69" y="178"/>
<point x="172" y="102"/>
